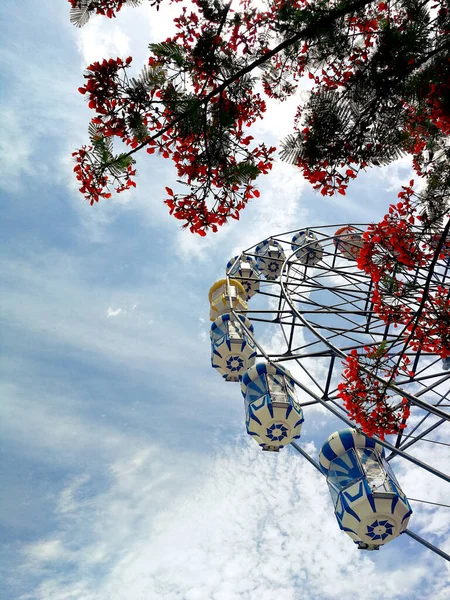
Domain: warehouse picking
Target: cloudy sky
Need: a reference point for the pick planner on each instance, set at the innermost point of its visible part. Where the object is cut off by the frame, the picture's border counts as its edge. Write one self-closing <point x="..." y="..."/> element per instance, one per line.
<point x="126" y="471"/>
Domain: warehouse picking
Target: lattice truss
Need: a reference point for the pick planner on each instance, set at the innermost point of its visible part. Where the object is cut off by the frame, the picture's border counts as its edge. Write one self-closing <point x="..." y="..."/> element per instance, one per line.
<point x="308" y="306"/>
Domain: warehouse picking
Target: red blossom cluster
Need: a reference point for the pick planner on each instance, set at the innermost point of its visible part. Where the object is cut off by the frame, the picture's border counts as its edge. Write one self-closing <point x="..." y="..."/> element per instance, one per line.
<point x="394" y="253"/>
<point x="214" y="156"/>
<point x="429" y="120"/>
<point x="325" y="178"/>
<point x="421" y="120"/>
<point x="103" y="89"/>
<point x="431" y="332"/>
<point x="228" y="200"/>
<point x="438" y="100"/>
<point x="324" y="174"/>
<point x="93" y="183"/>
<point x="105" y="82"/>
<point x="393" y="243"/>
<point x="365" y="28"/>
<point x="214" y="41"/>
<point x="369" y="401"/>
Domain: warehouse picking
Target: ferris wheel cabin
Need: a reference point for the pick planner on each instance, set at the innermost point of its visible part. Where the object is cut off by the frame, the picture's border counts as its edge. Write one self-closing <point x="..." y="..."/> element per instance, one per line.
<point x="244" y="269"/>
<point x="273" y="416"/>
<point x="270" y="258"/>
<point x="348" y="242"/>
<point x="233" y="351"/>
<point x="368" y="502"/>
<point x="223" y="296"/>
<point x="308" y="250"/>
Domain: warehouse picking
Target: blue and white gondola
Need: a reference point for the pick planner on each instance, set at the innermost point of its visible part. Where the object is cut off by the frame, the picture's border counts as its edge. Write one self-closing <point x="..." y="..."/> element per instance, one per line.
<point x="273" y="416"/>
<point x="232" y="349"/>
<point x="308" y="250"/>
<point x="270" y="258"/>
<point x="368" y="502"/>
<point x="244" y="269"/>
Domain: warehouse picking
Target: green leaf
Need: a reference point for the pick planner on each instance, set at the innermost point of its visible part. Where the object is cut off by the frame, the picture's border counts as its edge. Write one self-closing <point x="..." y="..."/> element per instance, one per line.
<point x="242" y="173"/>
<point x="137" y="127"/>
<point x="170" y="50"/>
<point x="150" y="78"/>
<point x="119" y="164"/>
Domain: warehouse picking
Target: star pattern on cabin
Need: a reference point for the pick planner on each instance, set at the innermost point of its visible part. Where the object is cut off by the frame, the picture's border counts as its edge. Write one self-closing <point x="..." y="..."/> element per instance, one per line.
<point x="380" y="530"/>
<point x="235" y="363"/>
<point x="276" y="432"/>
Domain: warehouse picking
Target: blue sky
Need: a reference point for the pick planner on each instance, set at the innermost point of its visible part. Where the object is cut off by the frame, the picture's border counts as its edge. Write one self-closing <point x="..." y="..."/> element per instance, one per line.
<point x="126" y="470"/>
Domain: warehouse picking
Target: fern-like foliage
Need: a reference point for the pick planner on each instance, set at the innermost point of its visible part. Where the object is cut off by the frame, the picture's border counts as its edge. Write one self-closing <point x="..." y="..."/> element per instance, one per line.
<point x="341" y="127"/>
<point x="119" y="164"/>
<point x="171" y="51"/>
<point x="80" y="14"/>
<point x="242" y="173"/>
<point x="150" y="78"/>
<point x="137" y="127"/>
<point x="103" y="150"/>
<point x="82" y="10"/>
<point x="291" y="148"/>
<point x="192" y="111"/>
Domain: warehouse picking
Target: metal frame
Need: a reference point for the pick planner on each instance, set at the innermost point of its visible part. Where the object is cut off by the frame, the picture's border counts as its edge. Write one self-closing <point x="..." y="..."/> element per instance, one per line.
<point x="324" y="312"/>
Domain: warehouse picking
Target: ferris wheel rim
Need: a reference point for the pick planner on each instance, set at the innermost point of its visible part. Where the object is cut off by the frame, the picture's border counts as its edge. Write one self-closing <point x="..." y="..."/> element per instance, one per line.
<point x="338" y="352"/>
<point x="286" y="306"/>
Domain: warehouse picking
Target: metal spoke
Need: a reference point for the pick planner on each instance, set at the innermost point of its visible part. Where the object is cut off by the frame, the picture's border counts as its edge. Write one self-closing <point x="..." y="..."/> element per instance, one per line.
<point x="324" y="312"/>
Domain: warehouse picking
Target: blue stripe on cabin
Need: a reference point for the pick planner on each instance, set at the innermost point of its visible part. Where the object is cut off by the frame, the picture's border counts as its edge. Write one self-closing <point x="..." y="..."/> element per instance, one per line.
<point x="346" y="438"/>
<point x="328" y="452"/>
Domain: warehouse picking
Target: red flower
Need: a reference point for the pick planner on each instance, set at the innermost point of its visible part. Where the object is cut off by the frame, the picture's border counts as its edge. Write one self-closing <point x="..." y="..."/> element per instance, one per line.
<point x="369" y="401"/>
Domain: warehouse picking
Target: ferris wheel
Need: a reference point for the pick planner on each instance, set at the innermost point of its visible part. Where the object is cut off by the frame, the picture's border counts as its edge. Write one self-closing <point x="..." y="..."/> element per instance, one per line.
<point x="286" y="314"/>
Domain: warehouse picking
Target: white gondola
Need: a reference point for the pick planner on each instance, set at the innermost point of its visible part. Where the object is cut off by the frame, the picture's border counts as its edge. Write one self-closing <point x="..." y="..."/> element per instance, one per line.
<point x="348" y="241"/>
<point x="368" y="502"/>
<point x="308" y="250"/>
<point x="244" y="269"/>
<point x="232" y="349"/>
<point x="224" y="296"/>
<point x="270" y="259"/>
<point x="273" y="416"/>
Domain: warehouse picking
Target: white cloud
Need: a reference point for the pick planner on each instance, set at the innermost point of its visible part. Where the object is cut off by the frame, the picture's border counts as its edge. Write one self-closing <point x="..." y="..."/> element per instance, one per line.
<point x="55" y="427"/>
<point x="39" y="107"/>
<point x="50" y="286"/>
<point x="102" y="39"/>
<point x="252" y="525"/>
<point x="15" y="149"/>
<point x="45" y="551"/>
<point x="68" y="499"/>
<point x="422" y="485"/>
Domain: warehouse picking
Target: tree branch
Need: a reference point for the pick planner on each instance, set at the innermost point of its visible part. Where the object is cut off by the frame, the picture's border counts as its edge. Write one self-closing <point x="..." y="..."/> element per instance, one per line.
<point x="308" y="31"/>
